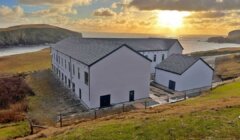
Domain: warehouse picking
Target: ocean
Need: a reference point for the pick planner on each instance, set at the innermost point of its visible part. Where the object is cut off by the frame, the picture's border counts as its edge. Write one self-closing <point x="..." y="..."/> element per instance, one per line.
<point x="20" y="50"/>
<point x="190" y="43"/>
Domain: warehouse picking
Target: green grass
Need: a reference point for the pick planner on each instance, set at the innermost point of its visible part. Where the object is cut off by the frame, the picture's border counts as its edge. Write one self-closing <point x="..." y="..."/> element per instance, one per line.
<point x="205" y="117"/>
<point x="25" y="62"/>
<point x="202" y="125"/>
<point x="222" y="92"/>
<point x="13" y="130"/>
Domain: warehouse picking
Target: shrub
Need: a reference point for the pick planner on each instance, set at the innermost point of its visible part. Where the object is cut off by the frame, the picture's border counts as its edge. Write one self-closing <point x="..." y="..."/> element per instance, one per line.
<point x="12" y="90"/>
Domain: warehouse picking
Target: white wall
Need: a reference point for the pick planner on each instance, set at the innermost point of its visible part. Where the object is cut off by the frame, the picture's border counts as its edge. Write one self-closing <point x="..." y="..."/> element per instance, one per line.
<point x="175" y="49"/>
<point x="198" y="76"/>
<point x="117" y="74"/>
<point x="159" y="56"/>
<point x="79" y="83"/>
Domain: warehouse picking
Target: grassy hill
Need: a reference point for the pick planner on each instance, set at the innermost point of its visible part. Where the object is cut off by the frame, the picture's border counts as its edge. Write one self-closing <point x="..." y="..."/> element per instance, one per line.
<point x="214" y="115"/>
<point x="33" y="34"/>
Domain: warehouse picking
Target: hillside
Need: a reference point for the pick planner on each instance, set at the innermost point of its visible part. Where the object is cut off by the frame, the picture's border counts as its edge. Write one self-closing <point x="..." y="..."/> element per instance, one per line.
<point x="233" y="37"/>
<point x="33" y="34"/>
<point x="214" y="115"/>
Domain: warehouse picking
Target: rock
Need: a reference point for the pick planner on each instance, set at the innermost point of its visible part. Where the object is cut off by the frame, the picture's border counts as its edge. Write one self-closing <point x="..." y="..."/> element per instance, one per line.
<point x="33" y="34"/>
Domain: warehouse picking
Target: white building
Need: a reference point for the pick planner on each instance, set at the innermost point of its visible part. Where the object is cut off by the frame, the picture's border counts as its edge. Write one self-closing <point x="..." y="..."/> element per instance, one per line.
<point x="101" y="72"/>
<point x="183" y="73"/>
<point x="156" y="49"/>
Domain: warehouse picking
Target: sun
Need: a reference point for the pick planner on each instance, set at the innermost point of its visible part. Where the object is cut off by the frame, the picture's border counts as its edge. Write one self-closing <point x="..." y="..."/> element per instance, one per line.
<point x="172" y="19"/>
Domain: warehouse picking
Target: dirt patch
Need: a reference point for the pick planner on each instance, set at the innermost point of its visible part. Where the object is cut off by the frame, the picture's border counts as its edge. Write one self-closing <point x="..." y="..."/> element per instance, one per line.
<point x="51" y="97"/>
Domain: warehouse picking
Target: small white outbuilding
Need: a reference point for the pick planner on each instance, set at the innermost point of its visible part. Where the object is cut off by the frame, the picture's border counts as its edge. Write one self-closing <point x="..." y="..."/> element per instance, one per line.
<point x="183" y="73"/>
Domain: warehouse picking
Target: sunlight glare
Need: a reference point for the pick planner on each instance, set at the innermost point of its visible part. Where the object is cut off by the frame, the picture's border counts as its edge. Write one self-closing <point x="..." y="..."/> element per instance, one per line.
<point x="172" y="19"/>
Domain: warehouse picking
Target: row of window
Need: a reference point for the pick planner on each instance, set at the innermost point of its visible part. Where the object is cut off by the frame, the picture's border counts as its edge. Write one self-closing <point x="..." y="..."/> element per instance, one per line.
<point x="67" y="81"/>
<point x="60" y="61"/>
<point x="155" y="57"/>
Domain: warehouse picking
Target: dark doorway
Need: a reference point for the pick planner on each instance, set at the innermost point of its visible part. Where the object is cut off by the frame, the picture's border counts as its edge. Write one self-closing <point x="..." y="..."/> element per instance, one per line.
<point x="172" y="85"/>
<point x="80" y="93"/>
<point x="105" y="101"/>
<point x="131" y="95"/>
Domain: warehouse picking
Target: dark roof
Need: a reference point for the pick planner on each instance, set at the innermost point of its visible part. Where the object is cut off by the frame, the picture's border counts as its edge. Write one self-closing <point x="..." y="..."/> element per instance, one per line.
<point x="178" y="63"/>
<point x="144" y="44"/>
<point x="90" y="50"/>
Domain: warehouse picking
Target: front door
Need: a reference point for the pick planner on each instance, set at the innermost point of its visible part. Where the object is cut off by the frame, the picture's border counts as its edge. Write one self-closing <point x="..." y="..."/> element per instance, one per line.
<point x="131" y="95"/>
<point x="172" y="85"/>
<point x="105" y="100"/>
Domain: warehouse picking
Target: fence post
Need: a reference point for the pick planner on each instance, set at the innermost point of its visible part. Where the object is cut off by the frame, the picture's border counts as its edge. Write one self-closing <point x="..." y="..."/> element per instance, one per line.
<point x="123" y="107"/>
<point x="60" y="119"/>
<point x="95" y="114"/>
<point x="31" y="126"/>
<point x="145" y="104"/>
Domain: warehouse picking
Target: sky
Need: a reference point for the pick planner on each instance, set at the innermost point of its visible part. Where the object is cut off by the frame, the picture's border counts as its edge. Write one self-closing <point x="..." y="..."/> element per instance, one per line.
<point x="163" y="17"/>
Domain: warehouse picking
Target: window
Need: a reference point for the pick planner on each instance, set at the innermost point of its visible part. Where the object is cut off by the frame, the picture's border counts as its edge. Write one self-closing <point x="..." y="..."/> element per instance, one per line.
<point x="65" y="79"/>
<point x="163" y="57"/>
<point x="58" y="59"/>
<point x="73" y="69"/>
<point x="69" y="66"/>
<point x="73" y="87"/>
<point x="69" y="83"/>
<point x="155" y="58"/>
<point x="65" y="63"/>
<point x="78" y="73"/>
<point x="80" y="93"/>
<point x="62" y="77"/>
<point x="86" y="78"/>
<point x="131" y="95"/>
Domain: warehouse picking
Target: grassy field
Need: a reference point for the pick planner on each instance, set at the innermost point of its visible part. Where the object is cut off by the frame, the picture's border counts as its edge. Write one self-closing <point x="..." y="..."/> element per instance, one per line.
<point x="214" y="115"/>
<point x="25" y="62"/>
<point x="15" y="112"/>
<point x="228" y="66"/>
<point x="217" y="52"/>
<point x="14" y="130"/>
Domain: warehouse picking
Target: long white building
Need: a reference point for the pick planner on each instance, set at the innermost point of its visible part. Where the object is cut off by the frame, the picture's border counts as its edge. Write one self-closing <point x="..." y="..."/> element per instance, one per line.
<point x="101" y="73"/>
<point x="104" y="72"/>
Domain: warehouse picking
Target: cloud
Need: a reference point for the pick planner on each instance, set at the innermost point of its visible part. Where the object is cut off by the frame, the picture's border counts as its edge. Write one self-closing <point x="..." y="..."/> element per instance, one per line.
<point x="55" y="2"/>
<point x="209" y="14"/>
<point x="55" y="7"/>
<point x="186" y="5"/>
<point x="104" y="12"/>
<point x="54" y="11"/>
<point x="11" y="12"/>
